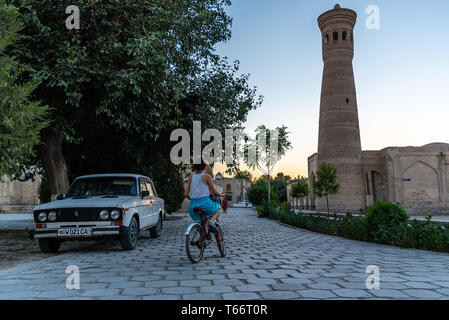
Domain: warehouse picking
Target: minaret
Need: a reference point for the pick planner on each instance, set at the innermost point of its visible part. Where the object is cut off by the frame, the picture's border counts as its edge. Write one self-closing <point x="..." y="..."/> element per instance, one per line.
<point x="339" y="133"/>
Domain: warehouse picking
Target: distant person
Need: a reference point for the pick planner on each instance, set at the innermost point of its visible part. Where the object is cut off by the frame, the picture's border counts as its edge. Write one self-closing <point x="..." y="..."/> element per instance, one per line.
<point x="224" y="204"/>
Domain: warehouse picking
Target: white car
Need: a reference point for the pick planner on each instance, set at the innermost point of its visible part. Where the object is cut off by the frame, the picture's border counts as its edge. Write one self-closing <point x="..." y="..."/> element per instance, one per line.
<point x="98" y="206"/>
<point x="243" y="204"/>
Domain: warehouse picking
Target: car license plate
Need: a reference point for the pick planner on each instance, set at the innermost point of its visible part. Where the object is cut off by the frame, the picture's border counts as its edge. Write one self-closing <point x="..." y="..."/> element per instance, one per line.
<point x="75" y="232"/>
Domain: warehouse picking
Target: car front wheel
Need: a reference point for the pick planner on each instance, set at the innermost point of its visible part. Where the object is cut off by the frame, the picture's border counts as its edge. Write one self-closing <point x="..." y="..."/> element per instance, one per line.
<point x="128" y="240"/>
<point x="49" y="245"/>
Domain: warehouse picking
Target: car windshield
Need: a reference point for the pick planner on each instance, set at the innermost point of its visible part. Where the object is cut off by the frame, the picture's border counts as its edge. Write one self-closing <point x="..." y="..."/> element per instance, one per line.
<point x="105" y="186"/>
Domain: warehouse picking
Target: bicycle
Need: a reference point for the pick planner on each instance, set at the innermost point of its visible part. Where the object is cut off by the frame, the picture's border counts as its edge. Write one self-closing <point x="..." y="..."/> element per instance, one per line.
<point x="198" y="238"/>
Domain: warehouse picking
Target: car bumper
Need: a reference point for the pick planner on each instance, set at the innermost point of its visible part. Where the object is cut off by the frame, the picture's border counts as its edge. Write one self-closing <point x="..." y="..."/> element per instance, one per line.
<point x="96" y="232"/>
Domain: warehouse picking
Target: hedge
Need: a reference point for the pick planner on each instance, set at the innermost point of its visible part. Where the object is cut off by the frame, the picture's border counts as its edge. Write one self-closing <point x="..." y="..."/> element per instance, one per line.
<point x="385" y="223"/>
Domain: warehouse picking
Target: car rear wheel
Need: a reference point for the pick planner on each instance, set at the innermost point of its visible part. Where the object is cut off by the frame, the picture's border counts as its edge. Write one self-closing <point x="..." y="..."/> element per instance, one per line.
<point x="49" y="245"/>
<point x="128" y="240"/>
<point x="155" y="232"/>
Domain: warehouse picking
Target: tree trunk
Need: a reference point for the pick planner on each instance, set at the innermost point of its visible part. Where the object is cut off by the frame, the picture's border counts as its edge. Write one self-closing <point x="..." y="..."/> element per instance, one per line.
<point x="269" y="189"/>
<point x="327" y="203"/>
<point x="54" y="164"/>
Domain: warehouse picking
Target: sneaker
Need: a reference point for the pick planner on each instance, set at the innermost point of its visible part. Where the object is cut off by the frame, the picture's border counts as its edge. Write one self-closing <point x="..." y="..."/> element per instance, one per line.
<point x="212" y="227"/>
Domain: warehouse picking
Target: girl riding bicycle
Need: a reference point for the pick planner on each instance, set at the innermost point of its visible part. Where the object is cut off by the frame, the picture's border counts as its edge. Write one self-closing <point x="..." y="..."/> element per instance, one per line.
<point x="198" y="189"/>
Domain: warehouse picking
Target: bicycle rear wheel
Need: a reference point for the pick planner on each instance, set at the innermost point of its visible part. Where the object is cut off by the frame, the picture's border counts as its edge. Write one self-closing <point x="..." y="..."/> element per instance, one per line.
<point x="220" y="240"/>
<point x="195" y="244"/>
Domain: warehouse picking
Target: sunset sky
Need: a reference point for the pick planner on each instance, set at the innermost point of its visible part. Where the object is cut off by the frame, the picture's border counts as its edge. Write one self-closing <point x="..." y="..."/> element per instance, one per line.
<point x="401" y="70"/>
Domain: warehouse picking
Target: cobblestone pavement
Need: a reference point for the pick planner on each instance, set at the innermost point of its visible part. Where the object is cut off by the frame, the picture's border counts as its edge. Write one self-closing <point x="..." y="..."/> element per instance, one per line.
<point x="266" y="260"/>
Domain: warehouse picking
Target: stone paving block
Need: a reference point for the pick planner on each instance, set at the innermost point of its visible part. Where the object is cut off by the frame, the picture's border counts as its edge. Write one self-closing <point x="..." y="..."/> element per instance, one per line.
<point x="241" y="296"/>
<point x="287" y="286"/>
<point x="162" y="297"/>
<point x="316" y="294"/>
<point x="421" y="285"/>
<point x="179" y="290"/>
<point x="354" y="285"/>
<point x="122" y="284"/>
<point x="295" y="280"/>
<point x="228" y="282"/>
<point x="99" y="292"/>
<point x="392" y="285"/>
<point x="210" y="276"/>
<point x="161" y="283"/>
<point x="241" y="276"/>
<point x="352" y="293"/>
<point x="424" y="294"/>
<point x="262" y="281"/>
<point x="139" y="291"/>
<point x="253" y="287"/>
<point x="195" y="283"/>
<point x="279" y="295"/>
<point x="180" y="277"/>
<point x="215" y="289"/>
<point x="326" y="286"/>
<point x="201" y="296"/>
<point x="146" y="278"/>
<point x="390" y="294"/>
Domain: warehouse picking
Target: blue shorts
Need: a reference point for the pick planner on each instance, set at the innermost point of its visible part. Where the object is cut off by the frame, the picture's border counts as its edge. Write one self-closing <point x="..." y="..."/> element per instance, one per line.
<point x="206" y="204"/>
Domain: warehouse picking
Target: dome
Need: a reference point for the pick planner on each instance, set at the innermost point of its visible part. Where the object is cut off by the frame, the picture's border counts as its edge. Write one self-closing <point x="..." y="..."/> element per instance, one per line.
<point x="437" y="144"/>
<point x="219" y="176"/>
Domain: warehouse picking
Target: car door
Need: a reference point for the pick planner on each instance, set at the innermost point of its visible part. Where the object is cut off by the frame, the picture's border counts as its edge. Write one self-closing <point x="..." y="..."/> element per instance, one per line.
<point x="155" y="201"/>
<point x="158" y="203"/>
<point x="145" y="209"/>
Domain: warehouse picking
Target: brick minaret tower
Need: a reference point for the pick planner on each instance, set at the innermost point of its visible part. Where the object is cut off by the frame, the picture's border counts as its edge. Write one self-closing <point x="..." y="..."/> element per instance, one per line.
<point x="339" y="134"/>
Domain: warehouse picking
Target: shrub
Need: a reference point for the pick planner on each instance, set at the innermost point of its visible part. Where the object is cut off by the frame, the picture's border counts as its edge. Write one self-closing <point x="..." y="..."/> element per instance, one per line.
<point x="384" y="220"/>
<point x="428" y="235"/>
<point x="258" y="193"/>
<point x="353" y="228"/>
<point x="268" y="209"/>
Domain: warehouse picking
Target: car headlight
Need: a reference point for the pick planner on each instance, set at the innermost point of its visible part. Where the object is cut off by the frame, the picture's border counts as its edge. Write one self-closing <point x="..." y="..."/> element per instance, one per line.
<point x="42" y="216"/>
<point x="104" y="214"/>
<point x="115" y="214"/>
<point x="52" y="216"/>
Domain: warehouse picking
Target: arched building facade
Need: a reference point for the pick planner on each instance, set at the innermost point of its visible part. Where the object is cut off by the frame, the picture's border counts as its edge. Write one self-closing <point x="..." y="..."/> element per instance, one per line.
<point x="415" y="177"/>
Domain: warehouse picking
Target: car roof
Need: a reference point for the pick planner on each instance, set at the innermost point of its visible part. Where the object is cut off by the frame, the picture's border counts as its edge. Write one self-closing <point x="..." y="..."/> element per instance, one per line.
<point x="106" y="175"/>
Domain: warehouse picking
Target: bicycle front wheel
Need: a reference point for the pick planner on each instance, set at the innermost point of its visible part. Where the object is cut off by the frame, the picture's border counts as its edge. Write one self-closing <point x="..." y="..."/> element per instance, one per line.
<point x="195" y="244"/>
<point x="220" y="240"/>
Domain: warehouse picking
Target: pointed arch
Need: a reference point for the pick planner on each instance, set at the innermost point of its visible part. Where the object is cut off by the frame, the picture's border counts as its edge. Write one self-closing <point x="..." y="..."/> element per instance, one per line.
<point x="421" y="182"/>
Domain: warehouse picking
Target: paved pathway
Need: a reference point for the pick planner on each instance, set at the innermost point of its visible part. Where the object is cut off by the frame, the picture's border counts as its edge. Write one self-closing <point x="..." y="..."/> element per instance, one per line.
<point x="266" y="260"/>
<point x="16" y="221"/>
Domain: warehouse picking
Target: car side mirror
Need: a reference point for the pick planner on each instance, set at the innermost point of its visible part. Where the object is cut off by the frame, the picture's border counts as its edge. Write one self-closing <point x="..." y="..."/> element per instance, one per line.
<point x="144" y="194"/>
<point x="59" y="196"/>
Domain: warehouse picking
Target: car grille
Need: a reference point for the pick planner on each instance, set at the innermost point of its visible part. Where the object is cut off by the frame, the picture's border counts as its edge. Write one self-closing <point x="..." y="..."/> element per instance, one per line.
<point x="75" y="214"/>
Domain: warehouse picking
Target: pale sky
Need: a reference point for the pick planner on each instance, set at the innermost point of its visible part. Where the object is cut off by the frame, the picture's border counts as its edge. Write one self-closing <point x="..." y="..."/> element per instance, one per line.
<point x="401" y="70"/>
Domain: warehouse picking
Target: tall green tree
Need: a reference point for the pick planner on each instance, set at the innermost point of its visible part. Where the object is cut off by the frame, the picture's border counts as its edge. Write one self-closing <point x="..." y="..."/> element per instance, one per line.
<point x="132" y="73"/>
<point x="21" y="119"/>
<point x="269" y="146"/>
<point x="326" y="182"/>
<point x="300" y="189"/>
